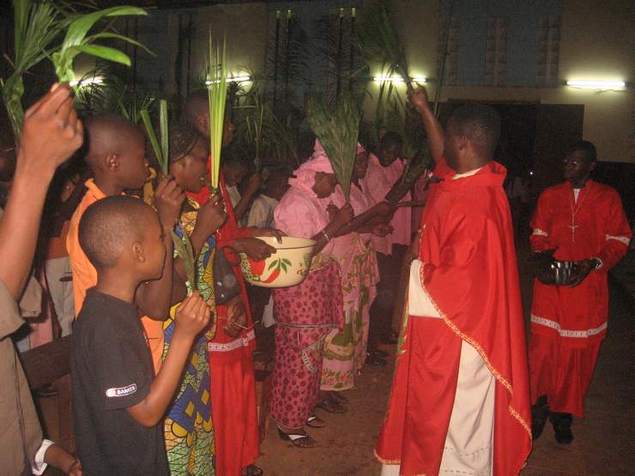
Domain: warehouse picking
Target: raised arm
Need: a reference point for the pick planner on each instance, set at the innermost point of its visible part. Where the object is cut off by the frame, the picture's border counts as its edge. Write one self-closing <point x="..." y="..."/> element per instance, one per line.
<point x="434" y="131"/>
<point x="51" y="133"/>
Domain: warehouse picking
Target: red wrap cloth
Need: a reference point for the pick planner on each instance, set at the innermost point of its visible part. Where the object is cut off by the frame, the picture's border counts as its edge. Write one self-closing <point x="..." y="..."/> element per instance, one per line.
<point x="569" y="323"/>
<point x="233" y="384"/>
<point x="470" y="274"/>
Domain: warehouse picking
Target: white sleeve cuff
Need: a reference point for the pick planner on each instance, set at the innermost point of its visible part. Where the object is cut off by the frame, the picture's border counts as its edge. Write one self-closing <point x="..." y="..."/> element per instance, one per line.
<point x="39" y="466"/>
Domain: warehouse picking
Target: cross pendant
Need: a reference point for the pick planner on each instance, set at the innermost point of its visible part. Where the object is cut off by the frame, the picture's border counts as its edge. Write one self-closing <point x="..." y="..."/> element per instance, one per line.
<point x="573" y="226"/>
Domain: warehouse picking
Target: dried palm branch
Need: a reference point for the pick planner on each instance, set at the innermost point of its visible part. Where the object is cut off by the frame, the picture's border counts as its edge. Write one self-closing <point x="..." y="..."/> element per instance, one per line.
<point x="337" y="128"/>
<point x="217" y="97"/>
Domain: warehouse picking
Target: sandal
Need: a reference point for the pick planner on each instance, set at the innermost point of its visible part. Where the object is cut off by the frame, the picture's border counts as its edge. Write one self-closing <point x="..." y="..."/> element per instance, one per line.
<point x="315" y="421"/>
<point x="299" y="440"/>
<point x="252" y="470"/>
<point x="331" y="406"/>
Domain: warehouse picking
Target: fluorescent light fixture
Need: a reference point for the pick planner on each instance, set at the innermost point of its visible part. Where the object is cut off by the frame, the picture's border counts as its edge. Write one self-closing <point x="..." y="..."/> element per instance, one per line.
<point x="234" y="79"/>
<point x="86" y="81"/>
<point x="395" y="78"/>
<point x="598" y="85"/>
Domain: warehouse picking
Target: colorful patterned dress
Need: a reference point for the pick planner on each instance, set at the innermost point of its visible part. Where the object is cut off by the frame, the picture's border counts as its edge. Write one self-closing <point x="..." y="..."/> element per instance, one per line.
<point x="345" y="350"/>
<point x="189" y="432"/>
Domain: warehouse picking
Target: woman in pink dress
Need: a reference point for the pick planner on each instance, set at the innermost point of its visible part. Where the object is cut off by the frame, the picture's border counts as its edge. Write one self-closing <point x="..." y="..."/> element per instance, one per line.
<point x="306" y="313"/>
<point x="345" y="349"/>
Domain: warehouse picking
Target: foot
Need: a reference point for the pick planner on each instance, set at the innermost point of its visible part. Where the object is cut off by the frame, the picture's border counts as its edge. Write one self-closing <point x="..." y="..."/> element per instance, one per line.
<point x="338" y="397"/>
<point x="562" y="427"/>
<point x="539" y="415"/>
<point x="252" y="470"/>
<point x="298" y="438"/>
<point x="315" y="421"/>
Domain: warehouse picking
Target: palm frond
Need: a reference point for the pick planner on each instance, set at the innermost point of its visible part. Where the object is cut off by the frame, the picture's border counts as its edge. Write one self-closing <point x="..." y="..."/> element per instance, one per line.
<point x="337" y="129"/>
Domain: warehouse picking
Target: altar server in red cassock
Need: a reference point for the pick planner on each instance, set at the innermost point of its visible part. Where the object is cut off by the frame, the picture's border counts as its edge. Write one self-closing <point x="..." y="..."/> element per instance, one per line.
<point x="460" y="394"/>
<point x="584" y="222"/>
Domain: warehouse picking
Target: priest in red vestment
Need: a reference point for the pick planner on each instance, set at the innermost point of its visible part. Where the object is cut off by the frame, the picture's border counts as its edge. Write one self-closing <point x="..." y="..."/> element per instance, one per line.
<point x="584" y="222"/>
<point x="460" y="394"/>
<point x="233" y="386"/>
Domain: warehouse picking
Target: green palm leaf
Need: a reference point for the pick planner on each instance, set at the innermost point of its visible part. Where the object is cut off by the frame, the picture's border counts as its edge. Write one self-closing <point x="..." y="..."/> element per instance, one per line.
<point x="338" y="131"/>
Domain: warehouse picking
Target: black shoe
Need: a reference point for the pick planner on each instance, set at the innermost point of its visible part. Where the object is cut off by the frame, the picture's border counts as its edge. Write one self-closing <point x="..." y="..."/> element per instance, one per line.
<point x="539" y="415"/>
<point x="562" y="427"/>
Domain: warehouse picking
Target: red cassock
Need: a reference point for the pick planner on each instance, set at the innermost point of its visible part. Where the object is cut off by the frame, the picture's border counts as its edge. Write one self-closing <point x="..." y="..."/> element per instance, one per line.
<point x="470" y="273"/>
<point x="233" y="385"/>
<point x="569" y="323"/>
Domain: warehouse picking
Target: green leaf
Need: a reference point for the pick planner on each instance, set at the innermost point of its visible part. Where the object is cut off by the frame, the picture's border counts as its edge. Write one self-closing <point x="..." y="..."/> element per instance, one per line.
<point x="116" y="36"/>
<point x="80" y="27"/>
<point x="165" y="138"/>
<point x="154" y="142"/>
<point x="105" y="52"/>
<point x="285" y="260"/>
<point x="272" y="265"/>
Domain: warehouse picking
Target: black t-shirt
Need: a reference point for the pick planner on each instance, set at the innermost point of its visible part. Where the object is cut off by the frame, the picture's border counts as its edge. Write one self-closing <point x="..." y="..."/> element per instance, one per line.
<point x="111" y="371"/>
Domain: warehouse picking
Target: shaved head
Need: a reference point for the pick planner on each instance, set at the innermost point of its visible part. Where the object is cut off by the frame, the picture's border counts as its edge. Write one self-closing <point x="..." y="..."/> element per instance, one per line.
<point x="110" y="134"/>
<point x="110" y="226"/>
<point x="480" y="124"/>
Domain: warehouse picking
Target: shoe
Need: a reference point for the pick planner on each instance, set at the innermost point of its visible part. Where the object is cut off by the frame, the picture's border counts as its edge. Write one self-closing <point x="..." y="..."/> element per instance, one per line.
<point x="562" y="427"/>
<point x="539" y="415"/>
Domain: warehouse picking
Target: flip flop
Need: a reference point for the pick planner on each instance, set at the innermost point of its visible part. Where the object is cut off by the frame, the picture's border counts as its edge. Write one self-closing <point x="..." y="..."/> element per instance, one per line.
<point x="315" y="422"/>
<point x="252" y="470"/>
<point x="299" y="440"/>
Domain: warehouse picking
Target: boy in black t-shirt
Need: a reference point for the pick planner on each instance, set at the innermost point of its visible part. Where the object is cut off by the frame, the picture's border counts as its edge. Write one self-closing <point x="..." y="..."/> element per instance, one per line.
<point x="117" y="401"/>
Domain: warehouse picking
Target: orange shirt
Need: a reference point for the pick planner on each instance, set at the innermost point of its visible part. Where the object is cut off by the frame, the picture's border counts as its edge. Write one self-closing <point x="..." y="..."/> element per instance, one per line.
<point x="85" y="275"/>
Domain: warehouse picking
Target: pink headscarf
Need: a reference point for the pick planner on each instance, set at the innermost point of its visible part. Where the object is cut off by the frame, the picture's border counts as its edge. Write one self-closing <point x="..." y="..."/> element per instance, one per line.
<point x="304" y="176"/>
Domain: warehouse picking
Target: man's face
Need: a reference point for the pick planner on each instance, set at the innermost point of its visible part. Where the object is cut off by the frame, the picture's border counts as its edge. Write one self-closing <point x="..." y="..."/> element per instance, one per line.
<point x="452" y="149"/>
<point x="234" y="174"/>
<point x="389" y="153"/>
<point x="361" y="165"/>
<point x="577" y="166"/>
<point x="192" y="175"/>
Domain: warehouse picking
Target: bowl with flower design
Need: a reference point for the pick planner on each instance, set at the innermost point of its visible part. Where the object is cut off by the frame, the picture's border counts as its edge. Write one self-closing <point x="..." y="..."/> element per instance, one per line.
<point x="288" y="266"/>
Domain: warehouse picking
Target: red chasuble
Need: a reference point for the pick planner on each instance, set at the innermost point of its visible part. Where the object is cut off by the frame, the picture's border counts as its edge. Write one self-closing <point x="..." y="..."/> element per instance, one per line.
<point x="593" y="226"/>
<point x="470" y="273"/>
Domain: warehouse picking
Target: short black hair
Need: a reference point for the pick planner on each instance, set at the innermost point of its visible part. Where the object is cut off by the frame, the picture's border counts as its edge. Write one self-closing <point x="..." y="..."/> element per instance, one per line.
<point x="390" y="139"/>
<point x="588" y="148"/>
<point x="480" y="124"/>
<point x="108" y="226"/>
<point x="183" y="138"/>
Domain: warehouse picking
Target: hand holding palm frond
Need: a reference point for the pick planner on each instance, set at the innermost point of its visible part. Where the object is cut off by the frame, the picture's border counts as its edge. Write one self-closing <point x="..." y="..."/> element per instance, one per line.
<point x="338" y="131"/>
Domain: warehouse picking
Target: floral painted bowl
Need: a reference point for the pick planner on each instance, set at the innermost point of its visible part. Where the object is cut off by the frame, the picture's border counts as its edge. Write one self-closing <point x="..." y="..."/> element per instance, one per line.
<point x="288" y="266"/>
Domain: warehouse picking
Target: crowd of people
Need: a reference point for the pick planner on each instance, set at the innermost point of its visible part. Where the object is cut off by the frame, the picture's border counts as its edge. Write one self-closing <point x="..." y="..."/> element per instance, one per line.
<point x="162" y="366"/>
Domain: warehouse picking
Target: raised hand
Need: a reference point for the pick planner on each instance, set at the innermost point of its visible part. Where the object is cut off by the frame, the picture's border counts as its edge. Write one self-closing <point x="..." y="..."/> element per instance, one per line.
<point x="51" y="132"/>
<point x="419" y="98"/>
<point x="168" y="199"/>
<point x="192" y="316"/>
<point x="343" y="215"/>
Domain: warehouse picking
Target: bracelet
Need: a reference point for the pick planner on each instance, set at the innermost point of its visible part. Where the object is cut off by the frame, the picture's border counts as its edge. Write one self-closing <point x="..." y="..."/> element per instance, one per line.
<point x="326" y="235"/>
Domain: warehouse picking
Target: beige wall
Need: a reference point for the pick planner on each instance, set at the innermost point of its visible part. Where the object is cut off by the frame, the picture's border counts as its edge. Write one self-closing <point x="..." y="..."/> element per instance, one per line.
<point x="597" y="42"/>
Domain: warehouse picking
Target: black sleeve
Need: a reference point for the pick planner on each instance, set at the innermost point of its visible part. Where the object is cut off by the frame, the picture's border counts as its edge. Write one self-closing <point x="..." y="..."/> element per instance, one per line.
<point x="121" y="369"/>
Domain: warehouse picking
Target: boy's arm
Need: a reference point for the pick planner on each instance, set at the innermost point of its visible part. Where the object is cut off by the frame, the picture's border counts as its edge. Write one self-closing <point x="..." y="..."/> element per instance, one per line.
<point x="191" y="318"/>
<point x="51" y="133"/>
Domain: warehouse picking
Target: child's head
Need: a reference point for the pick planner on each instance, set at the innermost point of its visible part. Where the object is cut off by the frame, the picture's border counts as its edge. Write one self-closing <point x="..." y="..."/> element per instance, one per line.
<point x="116" y="152"/>
<point x="123" y="234"/>
<point x="189" y="154"/>
<point x="277" y="183"/>
<point x="234" y="169"/>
